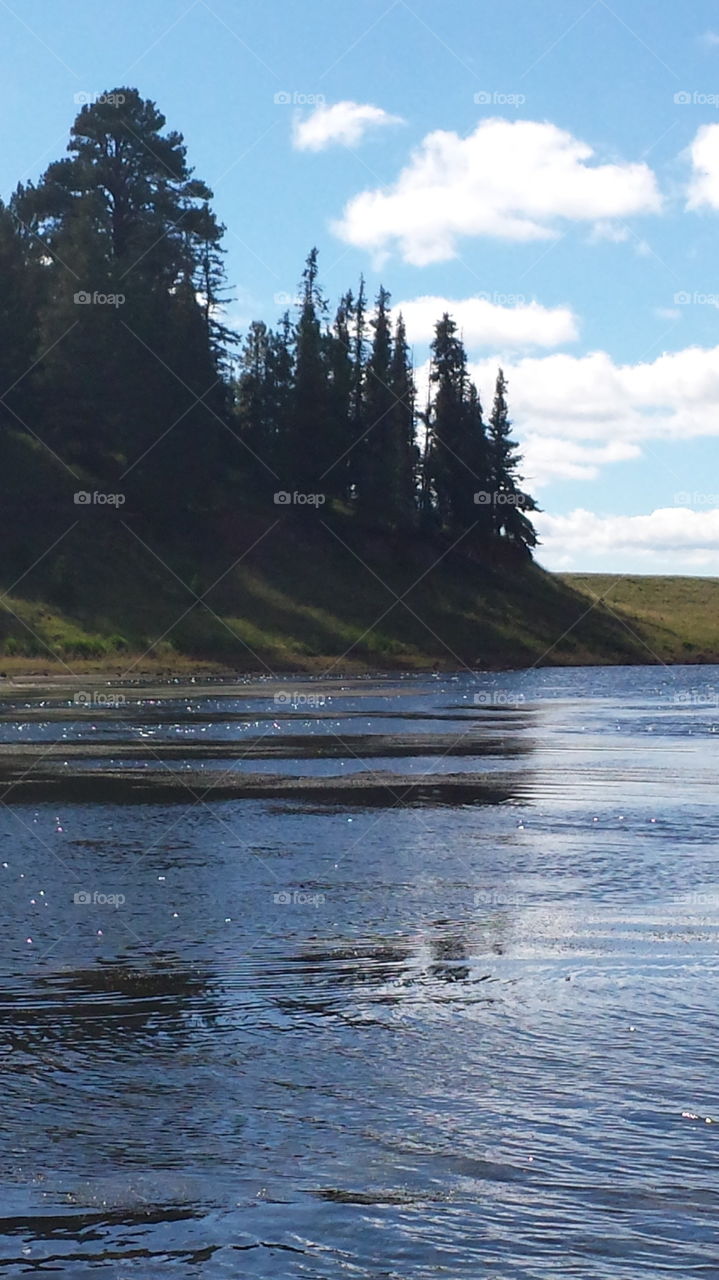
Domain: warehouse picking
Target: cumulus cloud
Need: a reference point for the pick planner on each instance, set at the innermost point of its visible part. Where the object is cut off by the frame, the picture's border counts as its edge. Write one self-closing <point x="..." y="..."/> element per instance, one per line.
<point x="513" y="180"/>
<point x="577" y="414"/>
<point x="704" y="156"/>
<point x="612" y="231"/>
<point x="548" y="458"/>
<point x="585" y="397"/>
<point x="487" y="321"/>
<point x="667" y="537"/>
<point x="344" y="123"/>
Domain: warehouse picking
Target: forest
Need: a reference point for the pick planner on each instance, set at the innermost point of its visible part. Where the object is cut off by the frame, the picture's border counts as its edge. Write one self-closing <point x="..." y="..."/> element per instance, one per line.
<point x="123" y="383"/>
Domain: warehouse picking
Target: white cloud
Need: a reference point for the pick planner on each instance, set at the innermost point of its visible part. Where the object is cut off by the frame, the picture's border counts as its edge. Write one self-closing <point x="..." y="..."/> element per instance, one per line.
<point x="513" y="180"/>
<point x="710" y="40"/>
<point x="576" y="414"/>
<point x="554" y="458"/>
<point x="486" y="321"/>
<point x="344" y="122"/>
<point x="615" y="233"/>
<point x="704" y="154"/>
<point x="670" y="537"/>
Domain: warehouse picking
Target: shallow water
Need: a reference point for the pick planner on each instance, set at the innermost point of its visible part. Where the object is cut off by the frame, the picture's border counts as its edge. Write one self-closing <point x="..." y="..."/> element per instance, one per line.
<point x="283" y="1039"/>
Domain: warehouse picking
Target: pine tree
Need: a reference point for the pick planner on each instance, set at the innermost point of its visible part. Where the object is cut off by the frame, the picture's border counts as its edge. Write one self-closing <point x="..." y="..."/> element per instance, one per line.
<point x="19" y="305"/>
<point x="448" y="470"/>
<point x="508" y="501"/>
<point x="340" y="394"/>
<point x="135" y="388"/>
<point x="310" y="454"/>
<point x="376" y="483"/>
<point x="404" y="452"/>
<point x="357" y="417"/>
<point x="254" y="408"/>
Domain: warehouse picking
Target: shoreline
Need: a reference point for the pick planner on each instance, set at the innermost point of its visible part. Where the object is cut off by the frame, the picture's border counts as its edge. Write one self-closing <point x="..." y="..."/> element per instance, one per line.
<point x="104" y="692"/>
<point x="26" y="674"/>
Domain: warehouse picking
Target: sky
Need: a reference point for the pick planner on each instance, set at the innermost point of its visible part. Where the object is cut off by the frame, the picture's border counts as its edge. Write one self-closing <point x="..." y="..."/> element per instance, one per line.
<point x="547" y="173"/>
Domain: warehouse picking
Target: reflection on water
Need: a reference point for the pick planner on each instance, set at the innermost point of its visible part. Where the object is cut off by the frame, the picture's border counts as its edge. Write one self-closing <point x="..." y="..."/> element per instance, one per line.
<point x="284" y="1038"/>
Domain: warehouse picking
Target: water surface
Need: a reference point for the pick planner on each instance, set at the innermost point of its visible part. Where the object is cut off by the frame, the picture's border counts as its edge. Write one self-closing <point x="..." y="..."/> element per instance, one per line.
<point x="291" y="1039"/>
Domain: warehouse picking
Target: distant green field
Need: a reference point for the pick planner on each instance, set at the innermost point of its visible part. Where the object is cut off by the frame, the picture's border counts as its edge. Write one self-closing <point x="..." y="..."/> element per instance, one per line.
<point x="676" y="618"/>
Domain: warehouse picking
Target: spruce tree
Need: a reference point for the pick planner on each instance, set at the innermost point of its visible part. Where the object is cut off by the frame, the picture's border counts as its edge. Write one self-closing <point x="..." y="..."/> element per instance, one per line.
<point x="508" y="501"/>
<point x="376" y="484"/>
<point x="357" y="417"/>
<point x="459" y="462"/>
<point x="404" y="459"/>
<point x="340" y="395"/>
<point x="19" y="305"/>
<point x="310" y="454"/>
<point x="448" y="471"/>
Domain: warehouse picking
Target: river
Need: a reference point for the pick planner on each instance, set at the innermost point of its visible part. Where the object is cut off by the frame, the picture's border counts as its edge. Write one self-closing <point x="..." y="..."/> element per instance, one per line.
<point x="425" y="1035"/>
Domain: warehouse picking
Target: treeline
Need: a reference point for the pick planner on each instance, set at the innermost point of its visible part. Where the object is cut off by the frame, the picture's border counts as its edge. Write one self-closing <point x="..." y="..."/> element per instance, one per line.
<point x="115" y="362"/>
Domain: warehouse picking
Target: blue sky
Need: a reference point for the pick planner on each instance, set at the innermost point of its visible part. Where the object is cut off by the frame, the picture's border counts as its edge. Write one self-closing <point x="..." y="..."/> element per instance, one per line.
<point x="552" y="171"/>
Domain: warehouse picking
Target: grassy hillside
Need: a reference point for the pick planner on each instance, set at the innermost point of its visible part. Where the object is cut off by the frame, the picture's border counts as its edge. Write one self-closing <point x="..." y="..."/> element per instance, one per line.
<point x="265" y="589"/>
<point x="274" y="593"/>
<point x="677" y="618"/>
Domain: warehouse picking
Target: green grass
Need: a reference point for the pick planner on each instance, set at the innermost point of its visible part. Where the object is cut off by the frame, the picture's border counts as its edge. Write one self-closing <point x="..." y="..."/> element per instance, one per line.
<point x="677" y="618"/>
<point x="94" y="589"/>
<point x="293" y="597"/>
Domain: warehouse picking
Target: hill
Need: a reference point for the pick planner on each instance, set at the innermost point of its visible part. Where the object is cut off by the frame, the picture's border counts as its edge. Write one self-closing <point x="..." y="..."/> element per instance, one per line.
<point x="92" y="588"/>
<point x="676" y="618"/>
